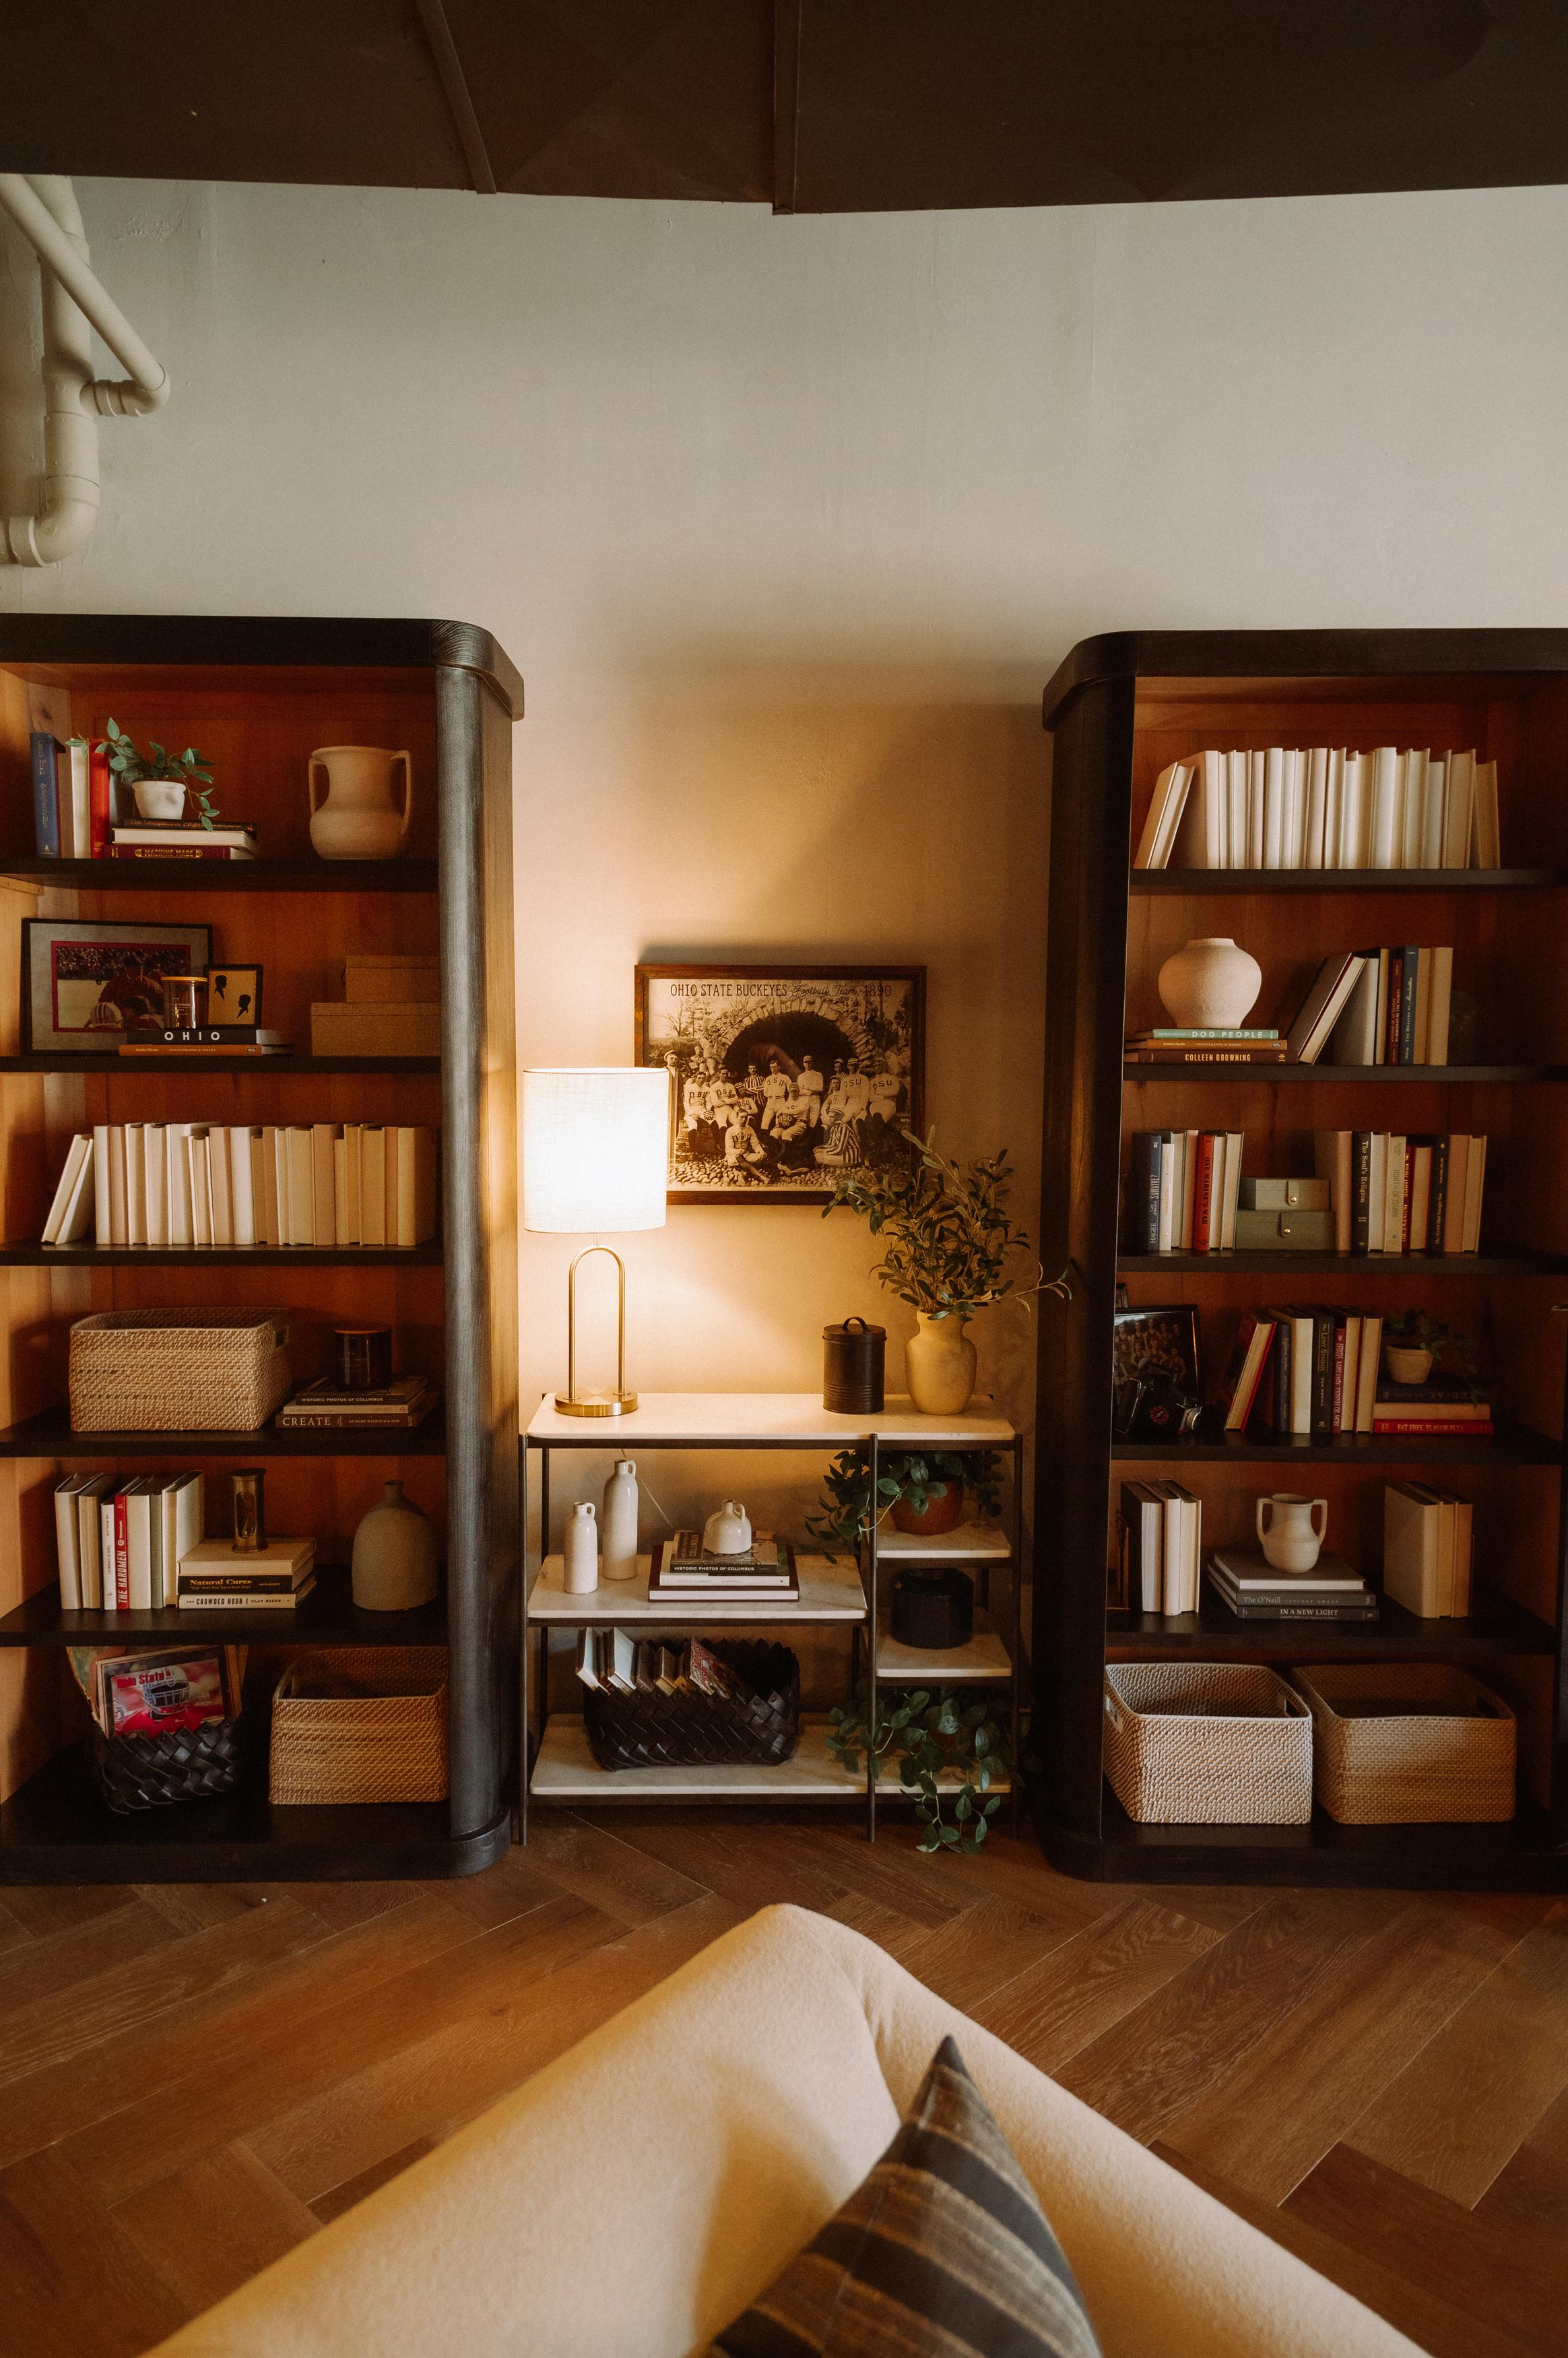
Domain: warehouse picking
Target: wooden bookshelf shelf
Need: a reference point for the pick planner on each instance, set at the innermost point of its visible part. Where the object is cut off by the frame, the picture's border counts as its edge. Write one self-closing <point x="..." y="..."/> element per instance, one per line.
<point x="261" y="693"/>
<point x="1203" y="882"/>
<point x="213" y="876"/>
<point x="1497" y="1625"/>
<point x="49" y="1435"/>
<point x="1120" y="710"/>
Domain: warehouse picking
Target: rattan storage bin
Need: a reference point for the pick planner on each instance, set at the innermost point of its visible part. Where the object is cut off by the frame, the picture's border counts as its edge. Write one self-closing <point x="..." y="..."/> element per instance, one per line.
<point x="1416" y="1768"/>
<point x="386" y="1745"/>
<point x="177" y="1371"/>
<point x="691" y="1730"/>
<point x="1179" y="1752"/>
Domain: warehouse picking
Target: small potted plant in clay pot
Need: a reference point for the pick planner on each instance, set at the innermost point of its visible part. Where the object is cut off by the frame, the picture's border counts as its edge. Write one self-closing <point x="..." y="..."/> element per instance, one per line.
<point x="1414" y="1342"/>
<point x="921" y="1492"/>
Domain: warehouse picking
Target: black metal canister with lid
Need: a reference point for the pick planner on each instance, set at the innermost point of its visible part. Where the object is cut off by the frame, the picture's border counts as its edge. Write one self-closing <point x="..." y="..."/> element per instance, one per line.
<point x="854" y="1359"/>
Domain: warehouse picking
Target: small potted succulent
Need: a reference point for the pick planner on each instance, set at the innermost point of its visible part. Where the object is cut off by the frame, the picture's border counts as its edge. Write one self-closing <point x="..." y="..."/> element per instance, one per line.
<point x="161" y="779"/>
<point x="1414" y="1342"/>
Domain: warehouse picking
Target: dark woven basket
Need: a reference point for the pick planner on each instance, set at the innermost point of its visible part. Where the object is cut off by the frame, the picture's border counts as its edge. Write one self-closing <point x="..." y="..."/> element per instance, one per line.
<point x="143" y="1772"/>
<point x="691" y="1730"/>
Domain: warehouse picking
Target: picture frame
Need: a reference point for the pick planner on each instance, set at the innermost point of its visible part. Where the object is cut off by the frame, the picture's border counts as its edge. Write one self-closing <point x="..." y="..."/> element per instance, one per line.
<point x="234" y="994"/>
<point x="782" y="1076"/>
<point x="85" y="979"/>
<point x="1156" y="1373"/>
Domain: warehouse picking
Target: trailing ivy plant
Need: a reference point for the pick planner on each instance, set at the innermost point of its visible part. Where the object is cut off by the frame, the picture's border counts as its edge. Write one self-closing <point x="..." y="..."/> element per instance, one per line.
<point x="949" y="1237"/>
<point x="191" y="769"/>
<point x="917" y="1477"/>
<point x="927" y="1732"/>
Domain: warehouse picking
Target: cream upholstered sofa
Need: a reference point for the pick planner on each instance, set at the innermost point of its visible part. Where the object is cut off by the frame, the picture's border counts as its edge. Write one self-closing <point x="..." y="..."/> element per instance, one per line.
<point x="636" y="2193"/>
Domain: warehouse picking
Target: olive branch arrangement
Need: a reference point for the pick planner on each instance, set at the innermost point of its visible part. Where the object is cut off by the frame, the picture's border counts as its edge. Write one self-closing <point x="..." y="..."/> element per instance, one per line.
<point x="947" y="1234"/>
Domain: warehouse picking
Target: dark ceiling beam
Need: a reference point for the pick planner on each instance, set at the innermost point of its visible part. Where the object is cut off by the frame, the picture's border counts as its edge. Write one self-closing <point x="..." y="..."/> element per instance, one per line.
<point x="454" y="85"/>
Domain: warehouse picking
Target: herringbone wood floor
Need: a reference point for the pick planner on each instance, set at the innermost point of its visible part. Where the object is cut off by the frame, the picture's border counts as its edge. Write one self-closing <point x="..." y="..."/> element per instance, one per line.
<point x="192" y="2080"/>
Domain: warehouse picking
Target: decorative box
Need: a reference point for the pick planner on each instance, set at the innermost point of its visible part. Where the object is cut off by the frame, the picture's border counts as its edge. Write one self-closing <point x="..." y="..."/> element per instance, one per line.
<point x="177" y="1371"/>
<point x="1209" y="1743"/>
<point x="1437" y="1748"/>
<point x="386" y="1742"/>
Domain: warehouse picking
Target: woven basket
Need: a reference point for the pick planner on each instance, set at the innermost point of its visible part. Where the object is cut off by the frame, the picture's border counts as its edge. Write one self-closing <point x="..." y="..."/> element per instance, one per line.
<point x="1177" y="1754"/>
<point x="1415" y="1770"/>
<point x="177" y="1371"/>
<point x="690" y="1730"/>
<point x="387" y="1746"/>
<point x="144" y="1772"/>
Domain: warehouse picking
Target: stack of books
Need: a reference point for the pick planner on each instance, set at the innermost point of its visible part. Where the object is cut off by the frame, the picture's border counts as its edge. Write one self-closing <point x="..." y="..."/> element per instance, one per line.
<point x="1279" y="806"/>
<point x="71" y="796"/>
<point x="1251" y="1588"/>
<point x="209" y="1039"/>
<point x="121" y="1544"/>
<point x="181" y="839"/>
<point x="684" y="1573"/>
<point x="390" y="1007"/>
<point x="1428" y="1549"/>
<point x="1394" y="1192"/>
<point x="216" y="1577"/>
<point x="396" y="1407"/>
<point x="1211" y="1044"/>
<point x="1184" y="1190"/>
<point x="198" y="1184"/>
<point x="1160" y="1541"/>
<point x="1454" y="1410"/>
<point x="611" y="1658"/>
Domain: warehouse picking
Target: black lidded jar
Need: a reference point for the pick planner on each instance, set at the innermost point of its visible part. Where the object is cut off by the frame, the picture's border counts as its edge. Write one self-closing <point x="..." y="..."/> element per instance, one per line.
<point x="933" y="1608"/>
<point x="854" y="1359"/>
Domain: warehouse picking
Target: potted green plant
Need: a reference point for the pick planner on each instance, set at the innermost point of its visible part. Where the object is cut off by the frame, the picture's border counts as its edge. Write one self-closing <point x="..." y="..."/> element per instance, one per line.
<point x="910" y="1483"/>
<point x="951" y="1248"/>
<point x="931" y="1736"/>
<point x="161" y="780"/>
<point x="1414" y="1342"/>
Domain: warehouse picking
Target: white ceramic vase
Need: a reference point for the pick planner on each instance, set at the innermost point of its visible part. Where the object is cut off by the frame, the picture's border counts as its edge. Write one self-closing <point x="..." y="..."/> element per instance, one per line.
<point x="394" y="1555"/>
<point x="618" y="1523"/>
<point x="353" y="810"/>
<point x="728" y="1530"/>
<point x="1292" y="1530"/>
<point x="939" y="1363"/>
<point x="1212" y="985"/>
<point x="579" y="1550"/>
<point x="160" y="798"/>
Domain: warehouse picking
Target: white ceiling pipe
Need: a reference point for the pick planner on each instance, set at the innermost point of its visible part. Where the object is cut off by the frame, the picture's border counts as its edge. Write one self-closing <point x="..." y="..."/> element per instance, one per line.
<point x="45" y="209"/>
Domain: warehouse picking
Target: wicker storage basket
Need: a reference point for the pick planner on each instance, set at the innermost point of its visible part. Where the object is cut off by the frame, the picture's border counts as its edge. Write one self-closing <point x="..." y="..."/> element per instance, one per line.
<point x="1416" y="1768"/>
<point x="690" y="1730"/>
<point x="1183" y="1744"/>
<point x="177" y="1371"/>
<point x="144" y="1772"/>
<point x="388" y="1745"/>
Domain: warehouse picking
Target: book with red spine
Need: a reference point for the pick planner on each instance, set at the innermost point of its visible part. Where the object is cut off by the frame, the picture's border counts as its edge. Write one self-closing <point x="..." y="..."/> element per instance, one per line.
<point x="122" y="1556"/>
<point x="1202" y="1194"/>
<point x="98" y="805"/>
<point x="1467" y="1428"/>
<point x="1254" y="1345"/>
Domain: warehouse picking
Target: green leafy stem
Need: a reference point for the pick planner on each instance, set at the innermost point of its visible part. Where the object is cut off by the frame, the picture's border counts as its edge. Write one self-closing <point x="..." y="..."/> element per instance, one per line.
<point x="927" y="1734"/>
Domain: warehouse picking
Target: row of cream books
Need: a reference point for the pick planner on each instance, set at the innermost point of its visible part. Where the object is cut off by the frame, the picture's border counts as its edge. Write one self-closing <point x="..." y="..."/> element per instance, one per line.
<point x="610" y="1657"/>
<point x="197" y="1183"/>
<point x="137" y="1546"/>
<point x="1428" y="1549"/>
<point x="1160" y="1542"/>
<point x="1398" y="1192"/>
<point x="1326" y="807"/>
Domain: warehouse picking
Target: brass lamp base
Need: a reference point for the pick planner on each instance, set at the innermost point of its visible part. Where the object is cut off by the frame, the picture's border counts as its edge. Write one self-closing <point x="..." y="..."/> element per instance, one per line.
<point x="605" y="1404"/>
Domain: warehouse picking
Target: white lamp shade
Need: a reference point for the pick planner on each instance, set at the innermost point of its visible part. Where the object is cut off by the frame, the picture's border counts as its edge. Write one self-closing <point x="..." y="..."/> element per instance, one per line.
<point x="596" y="1144"/>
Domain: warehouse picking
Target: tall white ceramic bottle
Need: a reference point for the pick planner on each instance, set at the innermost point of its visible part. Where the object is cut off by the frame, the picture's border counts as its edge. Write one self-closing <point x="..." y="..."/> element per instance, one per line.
<point x="618" y="1523"/>
<point x="579" y="1550"/>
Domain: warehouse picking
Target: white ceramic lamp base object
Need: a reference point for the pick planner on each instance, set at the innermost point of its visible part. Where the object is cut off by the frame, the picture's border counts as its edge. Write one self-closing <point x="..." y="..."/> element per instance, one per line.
<point x="394" y="1555"/>
<point x="1212" y="985"/>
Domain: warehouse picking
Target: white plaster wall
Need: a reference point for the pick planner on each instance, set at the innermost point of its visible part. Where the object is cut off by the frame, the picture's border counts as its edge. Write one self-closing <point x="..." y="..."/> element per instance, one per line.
<point x="786" y="522"/>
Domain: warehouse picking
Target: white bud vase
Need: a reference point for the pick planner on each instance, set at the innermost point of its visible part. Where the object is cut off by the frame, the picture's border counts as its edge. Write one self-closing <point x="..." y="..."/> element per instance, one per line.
<point x="579" y="1550"/>
<point x="939" y="1364"/>
<point x="394" y="1555"/>
<point x="1210" y="986"/>
<point x="618" y="1523"/>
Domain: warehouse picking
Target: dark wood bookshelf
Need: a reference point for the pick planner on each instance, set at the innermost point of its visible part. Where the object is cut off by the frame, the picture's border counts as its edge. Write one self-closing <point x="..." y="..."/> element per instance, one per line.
<point x="1496" y="1626"/>
<point x="210" y="876"/>
<point x="1203" y="882"/>
<point x="1120" y="708"/>
<point x="261" y="693"/>
<point x="49" y="1435"/>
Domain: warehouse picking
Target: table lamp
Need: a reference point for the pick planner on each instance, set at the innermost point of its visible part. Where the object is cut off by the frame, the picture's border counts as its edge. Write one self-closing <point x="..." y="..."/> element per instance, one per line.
<point x="596" y="1144"/>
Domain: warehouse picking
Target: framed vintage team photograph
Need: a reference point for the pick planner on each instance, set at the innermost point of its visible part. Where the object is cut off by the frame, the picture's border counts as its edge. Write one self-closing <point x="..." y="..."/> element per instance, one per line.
<point x="85" y="981"/>
<point x="234" y="994"/>
<point x="782" y="1076"/>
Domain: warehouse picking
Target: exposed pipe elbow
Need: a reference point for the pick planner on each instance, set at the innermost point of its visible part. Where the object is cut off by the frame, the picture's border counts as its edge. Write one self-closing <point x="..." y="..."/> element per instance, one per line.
<point x="64" y="526"/>
<point x="44" y="207"/>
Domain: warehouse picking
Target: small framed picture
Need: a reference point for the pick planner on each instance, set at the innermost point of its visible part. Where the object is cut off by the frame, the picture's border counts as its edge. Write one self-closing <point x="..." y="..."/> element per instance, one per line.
<point x="1157" y="1387"/>
<point x="234" y="994"/>
<point x="86" y="981"/>
<point x="782" y="1076"/>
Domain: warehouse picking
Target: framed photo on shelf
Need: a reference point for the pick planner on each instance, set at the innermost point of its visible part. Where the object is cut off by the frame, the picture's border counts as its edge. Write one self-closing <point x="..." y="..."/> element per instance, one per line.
<point x="86" y="980"/>
<point x="234" y="994"/>
<point x="782" y="1076"/>
<point x="1156" y="1388"/>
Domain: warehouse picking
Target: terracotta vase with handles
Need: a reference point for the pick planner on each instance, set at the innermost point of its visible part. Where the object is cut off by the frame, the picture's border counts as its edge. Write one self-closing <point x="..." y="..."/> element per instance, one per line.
<point x="354" y="813"/>
<point x="939" y="1363"/>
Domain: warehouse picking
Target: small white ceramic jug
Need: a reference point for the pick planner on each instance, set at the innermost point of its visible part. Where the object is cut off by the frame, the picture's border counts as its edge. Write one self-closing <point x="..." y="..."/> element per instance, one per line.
<point x="728" y="1530"/>
<point x="579" y="1551"/>
<point x="1289" y="1529"/>
<point x="356" y="817"/>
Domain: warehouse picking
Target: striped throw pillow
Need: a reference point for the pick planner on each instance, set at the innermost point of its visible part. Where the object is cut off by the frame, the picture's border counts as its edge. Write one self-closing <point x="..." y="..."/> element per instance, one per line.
<point x="943" y="2251"/>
